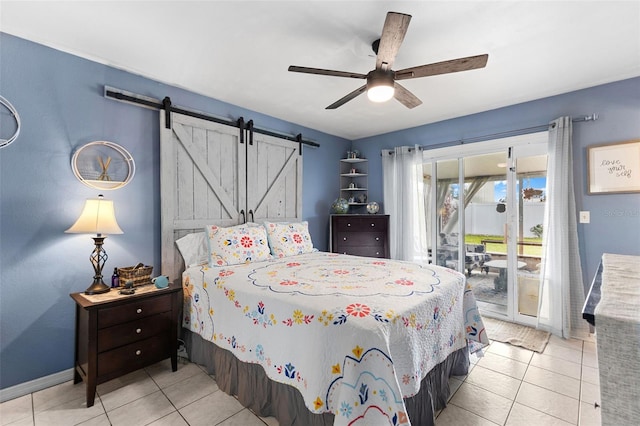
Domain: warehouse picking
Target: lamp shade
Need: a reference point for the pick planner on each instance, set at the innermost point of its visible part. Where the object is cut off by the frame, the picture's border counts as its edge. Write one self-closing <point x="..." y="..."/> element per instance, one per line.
<point x="97" y="217"/>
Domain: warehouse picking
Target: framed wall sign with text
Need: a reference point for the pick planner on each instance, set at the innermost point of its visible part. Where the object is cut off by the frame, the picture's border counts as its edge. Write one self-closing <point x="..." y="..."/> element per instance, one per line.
<point x="614" y="167"/>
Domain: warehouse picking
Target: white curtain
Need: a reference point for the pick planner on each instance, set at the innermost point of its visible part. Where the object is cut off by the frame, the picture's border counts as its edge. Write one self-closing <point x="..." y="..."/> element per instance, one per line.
<point x="403" y="190"/>
<point x="561" y="288"/>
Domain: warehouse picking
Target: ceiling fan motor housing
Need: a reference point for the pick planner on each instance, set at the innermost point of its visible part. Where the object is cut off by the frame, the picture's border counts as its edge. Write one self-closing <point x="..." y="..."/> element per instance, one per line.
<point x="380" y="77"/>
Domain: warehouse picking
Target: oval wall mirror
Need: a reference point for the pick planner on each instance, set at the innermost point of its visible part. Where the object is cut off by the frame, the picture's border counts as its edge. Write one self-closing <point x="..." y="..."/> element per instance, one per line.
<point x="103" y="165"/>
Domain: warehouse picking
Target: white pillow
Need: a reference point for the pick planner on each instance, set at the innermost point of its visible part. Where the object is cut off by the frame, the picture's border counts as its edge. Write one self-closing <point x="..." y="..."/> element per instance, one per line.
<point x="237" y="244"/>
<point x="193" y="248"/>
<point x="289" y="238"/>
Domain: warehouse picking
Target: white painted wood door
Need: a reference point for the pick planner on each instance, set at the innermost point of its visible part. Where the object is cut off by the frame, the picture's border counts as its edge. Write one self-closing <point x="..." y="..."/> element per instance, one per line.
<point x="202" y="180"/>
<point x="274" y="179"/>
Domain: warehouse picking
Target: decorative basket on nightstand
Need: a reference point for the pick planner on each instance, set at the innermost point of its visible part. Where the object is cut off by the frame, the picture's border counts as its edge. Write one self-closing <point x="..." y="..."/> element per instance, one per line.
<point x="139" y="274"/>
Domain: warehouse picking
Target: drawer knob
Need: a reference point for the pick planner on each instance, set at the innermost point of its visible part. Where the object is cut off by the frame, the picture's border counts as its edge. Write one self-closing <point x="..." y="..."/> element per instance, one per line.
<point x="138" y="352"/>
<point x="344" y="238"/>
<point x="377" y="253"/>
<point x="139" y="310"/>
<point x="373" y="224"/>
<point x="377" y="238"/>
<point x="348" y="224"/>
<point x="138" y="330"/>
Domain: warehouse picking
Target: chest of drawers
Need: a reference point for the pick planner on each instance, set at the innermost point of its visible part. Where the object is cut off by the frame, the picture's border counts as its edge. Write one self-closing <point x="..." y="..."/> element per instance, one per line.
<point x="360" y="235"/>
<point x="118" y="334"/>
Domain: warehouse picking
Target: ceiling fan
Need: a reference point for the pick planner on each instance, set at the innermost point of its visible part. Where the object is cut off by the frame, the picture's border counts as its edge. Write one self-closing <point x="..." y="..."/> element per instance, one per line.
<point x="382" y="82"/>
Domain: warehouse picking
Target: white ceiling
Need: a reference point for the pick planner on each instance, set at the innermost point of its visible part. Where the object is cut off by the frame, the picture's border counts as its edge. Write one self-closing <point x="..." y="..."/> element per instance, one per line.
<point x="239" y="51"/>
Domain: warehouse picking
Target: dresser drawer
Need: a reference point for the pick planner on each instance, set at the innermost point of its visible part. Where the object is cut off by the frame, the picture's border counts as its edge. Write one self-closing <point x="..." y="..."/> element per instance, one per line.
<point x="360" y="224"/>
<point x="134" y="355"/>
<point x="375" y="239"/>
<point x="132" y="331"/>
<point x="364" y="251"/>
<point x="131" y="311"/>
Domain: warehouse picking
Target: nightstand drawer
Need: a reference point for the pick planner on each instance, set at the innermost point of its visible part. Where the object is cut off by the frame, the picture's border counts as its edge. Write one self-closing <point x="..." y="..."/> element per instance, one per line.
<point x="135" y="355"/>
<point x="132" y="331"/>
<point x="133" y="310"/>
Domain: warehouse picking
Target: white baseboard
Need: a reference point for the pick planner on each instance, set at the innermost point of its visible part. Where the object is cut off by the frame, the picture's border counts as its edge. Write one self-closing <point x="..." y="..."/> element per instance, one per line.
<point x="35" y="385"/>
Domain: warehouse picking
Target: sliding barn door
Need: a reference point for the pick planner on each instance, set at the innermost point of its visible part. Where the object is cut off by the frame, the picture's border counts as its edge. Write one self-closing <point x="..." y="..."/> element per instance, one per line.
<point x="274" y="179"/>
<point x="202" y="179"/>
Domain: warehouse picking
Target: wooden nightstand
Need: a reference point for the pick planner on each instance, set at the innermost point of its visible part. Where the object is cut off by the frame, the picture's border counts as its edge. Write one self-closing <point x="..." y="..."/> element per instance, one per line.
<point x="117" y="334"/>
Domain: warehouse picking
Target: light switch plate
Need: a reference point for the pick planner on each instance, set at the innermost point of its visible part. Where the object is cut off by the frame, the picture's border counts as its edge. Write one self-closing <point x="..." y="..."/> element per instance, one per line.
<point x="585" y="217"/>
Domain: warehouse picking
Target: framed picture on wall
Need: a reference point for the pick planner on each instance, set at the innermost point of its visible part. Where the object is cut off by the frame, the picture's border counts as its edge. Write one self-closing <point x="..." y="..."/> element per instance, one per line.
<point x="614" y="167"/>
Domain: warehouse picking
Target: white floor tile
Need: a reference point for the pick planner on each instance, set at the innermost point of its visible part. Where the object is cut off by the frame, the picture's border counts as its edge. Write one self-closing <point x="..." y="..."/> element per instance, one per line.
<point x="557" y="365"/>
<point x="454" y="385"/>
<point x="123" y="390"/>
<point x="243" y="418"/>
<point x="486" y="404"/>
<point x="549" y="402"/>
<point x="456" y="416"/>
<point x="563" y="352"/>
<point x="210" y="410"/>
<point x="522" y="415"/>
<point x="142" y="411"/>
<point x="511" y="351"/>
<point x="574" y="344"/>
<point x="590" y="359"/>
<point x="270" y="421"/>
<point x="590" y="393"/>
<point x="69" y="413"/>
<point x="589" y="415"/>
<point x="495" y="382"/>
<point x="101" y="420"/>
<point x="591" y="375"/>
<point x="16" y="409"/>
<point x="190" y="389"/>
<point x="173" y="419"/>
<point x="503" y="365"/>
<point x="553" y="381"/>
<point x="161" y="372"/>
<point x="59" y="394"/>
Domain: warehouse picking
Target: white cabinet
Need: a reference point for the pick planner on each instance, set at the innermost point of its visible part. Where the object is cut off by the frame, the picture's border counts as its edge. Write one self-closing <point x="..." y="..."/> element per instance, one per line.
<point x="354" y="174"/>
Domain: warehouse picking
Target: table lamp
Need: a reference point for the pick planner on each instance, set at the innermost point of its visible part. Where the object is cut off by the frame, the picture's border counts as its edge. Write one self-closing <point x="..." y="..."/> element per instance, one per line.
<point x="98" y="217"/>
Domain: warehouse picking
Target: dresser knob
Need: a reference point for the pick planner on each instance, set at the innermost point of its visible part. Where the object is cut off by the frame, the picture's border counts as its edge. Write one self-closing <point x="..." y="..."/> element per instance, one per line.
<point x="344" y="238"/>
<point x="138" y="352"/>
<point x="377" y="253"/>
<point x="377" y="238"/>
<point x="373" y="224"/>
<point x="139" y="310"/>
<point x="348" y="224"/>
<point x="138" y="330"/>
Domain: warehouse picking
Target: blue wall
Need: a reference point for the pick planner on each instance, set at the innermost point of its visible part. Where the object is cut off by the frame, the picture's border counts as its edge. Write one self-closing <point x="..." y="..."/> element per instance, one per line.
<point x="60" y="100"/>
<point x="615" y="219"/>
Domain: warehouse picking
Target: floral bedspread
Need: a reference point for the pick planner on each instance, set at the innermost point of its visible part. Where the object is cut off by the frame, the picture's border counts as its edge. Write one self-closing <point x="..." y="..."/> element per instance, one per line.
<point x="354" y="335"/>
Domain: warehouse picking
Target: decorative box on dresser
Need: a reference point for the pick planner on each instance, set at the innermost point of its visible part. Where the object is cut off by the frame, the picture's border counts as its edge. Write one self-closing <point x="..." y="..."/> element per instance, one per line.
<point x="360" y="235"/>
<point x="117" y="334"/>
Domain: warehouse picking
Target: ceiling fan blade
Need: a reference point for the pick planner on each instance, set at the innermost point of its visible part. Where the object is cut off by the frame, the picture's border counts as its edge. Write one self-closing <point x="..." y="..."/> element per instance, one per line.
<point x="393" y="32"/>
<point x="321" y="71"/>
<point x="347" y="98"/>
<point x="454" y="65"/>
<point x="405" y="97"/>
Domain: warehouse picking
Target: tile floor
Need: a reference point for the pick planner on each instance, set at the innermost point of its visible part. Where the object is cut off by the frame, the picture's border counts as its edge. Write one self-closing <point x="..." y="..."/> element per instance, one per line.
<point x="507" y="386"/>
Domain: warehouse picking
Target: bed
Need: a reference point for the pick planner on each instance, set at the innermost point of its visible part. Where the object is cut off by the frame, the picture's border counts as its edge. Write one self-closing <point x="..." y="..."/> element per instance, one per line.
<point x="309" y="337"/>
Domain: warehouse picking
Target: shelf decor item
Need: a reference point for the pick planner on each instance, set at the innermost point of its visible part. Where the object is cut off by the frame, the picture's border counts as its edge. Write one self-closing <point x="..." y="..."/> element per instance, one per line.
<point x="340" y="206"/>
<point x="97" y="217"/>
<point x="373" y="207"/>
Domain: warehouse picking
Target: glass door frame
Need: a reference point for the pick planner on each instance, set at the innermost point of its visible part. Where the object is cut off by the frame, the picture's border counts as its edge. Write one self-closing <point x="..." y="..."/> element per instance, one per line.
<point x="514" y="145"/>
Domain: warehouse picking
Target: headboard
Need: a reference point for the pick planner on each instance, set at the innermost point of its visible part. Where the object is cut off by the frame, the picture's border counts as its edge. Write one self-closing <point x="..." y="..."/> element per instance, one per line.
<point x="212" y="176"/>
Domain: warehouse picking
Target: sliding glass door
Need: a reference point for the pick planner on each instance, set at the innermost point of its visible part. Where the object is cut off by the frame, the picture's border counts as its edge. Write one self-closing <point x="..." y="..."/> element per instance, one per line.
<point x="486" y="209"/>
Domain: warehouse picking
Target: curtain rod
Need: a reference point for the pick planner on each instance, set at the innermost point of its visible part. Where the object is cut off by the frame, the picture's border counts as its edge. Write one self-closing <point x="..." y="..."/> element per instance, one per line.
<point x="508" y="133"/>
<point x="151" y="103"/>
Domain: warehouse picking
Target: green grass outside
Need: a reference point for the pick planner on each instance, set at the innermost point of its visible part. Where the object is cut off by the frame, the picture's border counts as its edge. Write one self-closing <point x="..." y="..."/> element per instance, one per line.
<point x="502" y="247"/>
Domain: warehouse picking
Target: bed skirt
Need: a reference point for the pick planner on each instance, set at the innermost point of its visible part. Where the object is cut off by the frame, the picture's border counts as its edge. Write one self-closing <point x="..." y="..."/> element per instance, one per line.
<point x="253" y="389"/>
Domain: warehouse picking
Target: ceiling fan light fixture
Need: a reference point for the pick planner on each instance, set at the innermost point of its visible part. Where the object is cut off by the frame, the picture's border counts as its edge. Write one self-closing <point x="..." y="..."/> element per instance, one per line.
<point x="380" y="85"/>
